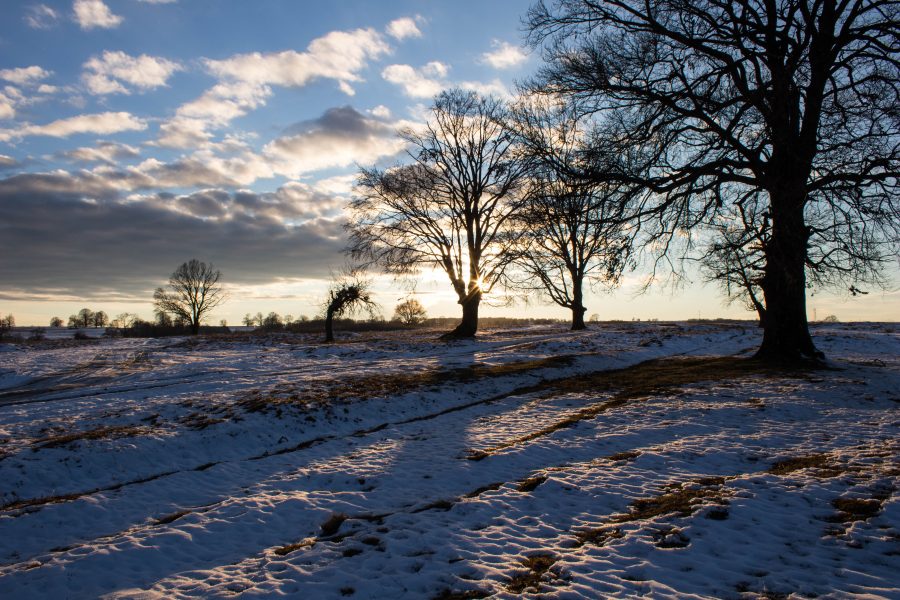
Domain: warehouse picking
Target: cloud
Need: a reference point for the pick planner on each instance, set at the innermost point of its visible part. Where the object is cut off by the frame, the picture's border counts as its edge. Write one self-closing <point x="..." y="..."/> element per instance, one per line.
<point x="8" y="162"/>
<point x="430" y="79"/>
<point x="41" y="16"/>
<point x="105" y="152"/>
<point x="25" y="76"/>
<point x="183" y="133"/>
<point x="381" y="111"/>
<point x="100" y="124"/>
<point x="401" y="29"/>
<point x="7" y="111"/>
<point x="339" y="138"/>
<point x="425" y="82"/>
<point x="108" y="74"/>
<point x="504" y="55"/>
<point x="75" y="237"/>
<point x="246" y="80"/>
<point x="91" y="14"/>
<point x="217" y="107"/>
<point x="338" y="55"/>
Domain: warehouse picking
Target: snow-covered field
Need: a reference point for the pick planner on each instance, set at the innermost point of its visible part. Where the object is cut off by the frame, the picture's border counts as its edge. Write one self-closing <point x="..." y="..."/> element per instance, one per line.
<point x="634" y="459"/>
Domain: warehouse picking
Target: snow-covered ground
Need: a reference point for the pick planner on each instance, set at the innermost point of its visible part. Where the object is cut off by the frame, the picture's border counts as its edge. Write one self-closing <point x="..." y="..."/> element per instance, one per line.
<point x="392" y="465"/>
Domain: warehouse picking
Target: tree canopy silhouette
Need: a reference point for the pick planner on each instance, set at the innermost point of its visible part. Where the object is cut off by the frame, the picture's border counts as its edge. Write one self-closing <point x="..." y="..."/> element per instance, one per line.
<point x="571" y="229"/>
<point x="718" y="104"/>
<point x="450" y="208"/>
<point x="194" y="290"/>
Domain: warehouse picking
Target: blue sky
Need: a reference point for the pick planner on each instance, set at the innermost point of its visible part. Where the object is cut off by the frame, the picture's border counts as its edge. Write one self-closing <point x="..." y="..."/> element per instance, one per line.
<point x="136" y="134"/>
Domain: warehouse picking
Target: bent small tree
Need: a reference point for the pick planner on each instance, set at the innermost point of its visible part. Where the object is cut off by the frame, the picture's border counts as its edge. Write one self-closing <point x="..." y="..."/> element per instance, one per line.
<point x="572" y="231"/>
<point x="347" y="295"/>
<point x="795" y="100"/>
<point x="194" y="290"/>
<point x="450" y="208"/>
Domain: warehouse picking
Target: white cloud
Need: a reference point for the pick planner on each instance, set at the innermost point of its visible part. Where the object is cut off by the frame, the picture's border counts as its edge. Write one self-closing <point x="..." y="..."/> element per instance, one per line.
<point x="339" y="138"/>
<point x="105" y="152"/>
<point x="245" y="81"/>
<point x="418" y="83"/>
<point x="486" y="88"/>
<point x="183" y="132"/>
<point x="381" y="111"/>
<point x="225" y="102"/>
<point x="100" y="124"/>
<point x="403" y="28"/>
<point x="90" y="14"/>
<point x="47" y="89"/>
<point x="41" y="16"/>
<point x="504" y="55"/>
<point x="24" y="75"/>
<point x="338" y="55"/>
<point x="339" y="185"/>
<point x="7" y="111"/>
<point x="108" y="74"/>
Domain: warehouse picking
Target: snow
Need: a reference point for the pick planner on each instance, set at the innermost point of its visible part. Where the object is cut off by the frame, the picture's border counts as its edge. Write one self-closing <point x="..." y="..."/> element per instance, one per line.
<point x="393" y="465"/>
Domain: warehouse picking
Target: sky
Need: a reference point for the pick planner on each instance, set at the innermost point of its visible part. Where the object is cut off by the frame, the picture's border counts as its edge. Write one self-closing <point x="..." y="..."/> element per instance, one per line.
<point x="137" y="134"/>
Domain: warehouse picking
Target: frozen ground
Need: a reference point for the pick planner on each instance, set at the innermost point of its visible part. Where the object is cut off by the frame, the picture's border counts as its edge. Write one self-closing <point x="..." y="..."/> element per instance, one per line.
<point x="528" y="462"/>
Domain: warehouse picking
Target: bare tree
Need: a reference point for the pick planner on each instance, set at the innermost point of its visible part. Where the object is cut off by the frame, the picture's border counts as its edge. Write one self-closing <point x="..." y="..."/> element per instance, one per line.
<point x="100" y="319"/>
<point x="248" y="320"/>
<point x="348" y="294"/>
<point x="85" y="317"/>
<point x="410" y="312"/>
<point x="194" y="291"/>
<point x="572" y="231"/>
<point x="716" y="101"/>
<point x="125" y="320"/>
<point x="450" y="208"/>
<point x="272" y="321"/>
<point x="56" y="322"/>
<point x="6" y="324"/>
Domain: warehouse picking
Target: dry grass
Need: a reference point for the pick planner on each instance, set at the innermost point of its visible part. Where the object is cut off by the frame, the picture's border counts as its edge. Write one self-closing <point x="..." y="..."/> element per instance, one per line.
<point x="321" y="393"/>
<point x="285" y="550"/>
<point x="683" y="500"/>
<point x="537" y="565"/>
<point x="531" y="483"/>
<point x="641" y="381"/>
<point x="334" y="522"/>
<point x="857" y="509"/>
<point x="100" y="433"/>
<point x="598" y="536"/>
<point x="449" y="594"/>
<point x="627" y="455"/>
<point x="820" y="462"/>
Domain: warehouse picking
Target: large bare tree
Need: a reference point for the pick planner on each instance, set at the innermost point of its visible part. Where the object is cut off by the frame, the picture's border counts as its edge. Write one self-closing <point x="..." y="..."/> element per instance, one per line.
<point x="572" y="231"/>
<point x="194" y="290"/>
<point x="449" y="207"/>
<point x="717" y="100"/>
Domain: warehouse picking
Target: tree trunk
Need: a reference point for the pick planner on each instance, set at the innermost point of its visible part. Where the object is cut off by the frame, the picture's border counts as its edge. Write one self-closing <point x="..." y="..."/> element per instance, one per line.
<point x="578" y="318"/>
<point x="195" y="328"/>
<point x="469" y="324"/>
<point x="786" y="338"/>
<point x="329" y="326"/>
<point x="578" y="308"/>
